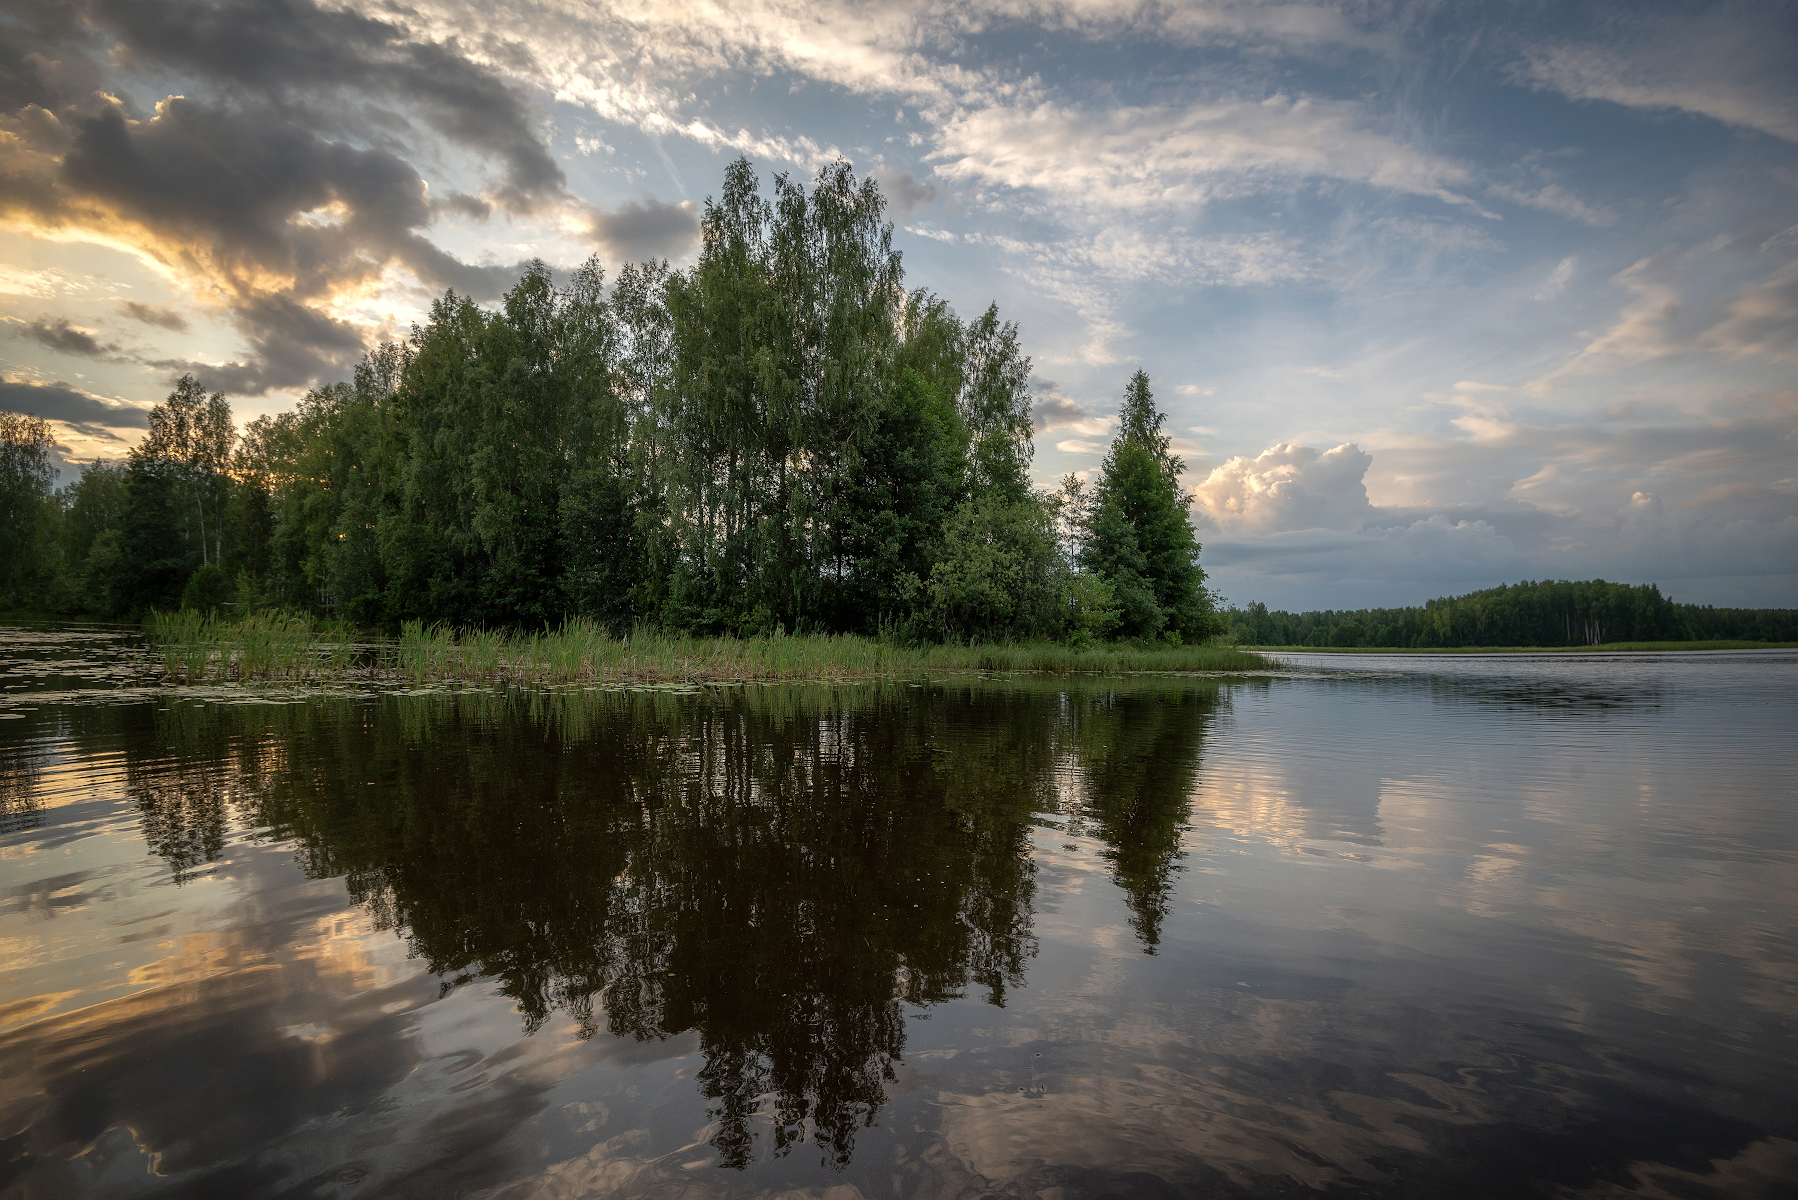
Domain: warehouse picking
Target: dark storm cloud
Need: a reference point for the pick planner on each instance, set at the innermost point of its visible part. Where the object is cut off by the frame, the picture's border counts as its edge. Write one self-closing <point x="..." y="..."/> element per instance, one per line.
<point x="46" y="54"/>
<point x="289" y="47"/>
<point x="292" y="345"/>
<point x="97" y="432"/>
<point x="1056" y="411"/>
<point x="464" y="205"/>
<point x="906" y="194"/>
<point x="58" y="334"/>
<point x="60" y="402"/>
<point x="218" y="190"/>
<point x="1053" y="412"/>
<point x="279" y="182"/>
<point x="162" y="318"/>
<point x="647" y="230"/>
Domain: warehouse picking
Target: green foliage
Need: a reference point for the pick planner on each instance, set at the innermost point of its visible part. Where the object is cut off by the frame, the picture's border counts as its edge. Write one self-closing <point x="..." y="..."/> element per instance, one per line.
<point x="192" y="435"/>
<point x="196" y="647"/>
<point x="1546" y="613"/>
<point x="780" y="439"/>
<point x="153" y="558"/>
<point x="28" y="511"/>
<point x="913" y="473"/>
<point x="1135" y="533"/>
<point x="208" y="589"/>
<point x="999" y="575"/>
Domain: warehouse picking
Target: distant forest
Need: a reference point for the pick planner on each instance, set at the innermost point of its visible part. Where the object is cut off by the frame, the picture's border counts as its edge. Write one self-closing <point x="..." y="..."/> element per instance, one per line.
<point x="1548" y="613"/>
<point x="781" y="437"/>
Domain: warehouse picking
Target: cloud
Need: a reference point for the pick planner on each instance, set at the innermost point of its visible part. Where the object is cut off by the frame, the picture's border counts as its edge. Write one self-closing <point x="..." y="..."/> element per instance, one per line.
<point x="1093" y="274"/>
<point x="42" y="284"/>
<point x="291" y="344"/>
<point x="1556" y="283"/>
<point x="60" y="335"/>
<point x="1556" y="199"/>
<point x="1053" y="410"/>
<point x="1644" y="330"/>
<point x="162" y="318"/>
<point x="1699" y="500"/>
<point x="60" y="402"/>
<point x="905" y="194"/>
<point x="647" y="230"/>
<point x="218" y="197"/>
<point x="1425" y="555"/>
<point x="1287" y="487"/>
<point x="297" y="49"/>
<point x="1291" y="25"/>
<point x="1762" y="321"/>
<point x="286" y="196"/>
<point x="1731" y="63"/>
<point x="1152" y="157"/>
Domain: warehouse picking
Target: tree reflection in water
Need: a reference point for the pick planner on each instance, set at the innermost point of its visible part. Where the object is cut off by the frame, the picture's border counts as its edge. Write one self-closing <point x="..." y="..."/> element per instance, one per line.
<point x="777" y="869"/>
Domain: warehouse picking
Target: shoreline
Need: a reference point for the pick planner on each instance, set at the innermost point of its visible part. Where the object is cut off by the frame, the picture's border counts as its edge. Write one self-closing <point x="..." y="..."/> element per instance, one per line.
<point x="280" y="649"/>
<point x="1609" y="648"/>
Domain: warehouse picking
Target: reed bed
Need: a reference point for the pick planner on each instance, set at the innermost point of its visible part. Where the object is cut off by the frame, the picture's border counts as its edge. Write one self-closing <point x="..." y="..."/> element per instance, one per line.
<point x="287" y="648"/>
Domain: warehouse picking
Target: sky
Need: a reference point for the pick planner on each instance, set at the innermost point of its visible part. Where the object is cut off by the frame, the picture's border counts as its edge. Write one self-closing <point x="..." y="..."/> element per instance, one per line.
<point x="1436" y="296"/>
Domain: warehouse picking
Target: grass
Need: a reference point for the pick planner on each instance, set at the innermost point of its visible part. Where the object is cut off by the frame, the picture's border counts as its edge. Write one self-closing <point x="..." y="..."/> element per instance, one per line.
<point x="287" y="648"/>
<point x="1622" y="647"/>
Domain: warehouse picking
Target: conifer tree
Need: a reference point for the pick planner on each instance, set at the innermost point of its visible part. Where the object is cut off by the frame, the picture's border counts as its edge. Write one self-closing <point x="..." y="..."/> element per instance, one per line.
<point x="1138" y="537"/>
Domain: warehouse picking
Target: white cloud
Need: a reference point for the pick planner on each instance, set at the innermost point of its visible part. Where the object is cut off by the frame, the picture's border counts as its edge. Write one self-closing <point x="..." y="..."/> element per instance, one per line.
<point x="1093" y="274"/>
<point x="1150" y="157"/>
<point x="1762" y="321"/>
<point x="1713" y="499"/>
<point x="1644" y="330"/>
<point x="43" y="284"/>
<point x="1287" y="487"/>
<point x="1715" y="67"/>
<point x="1557" y="280"/>
<point x="1556" y="199"/>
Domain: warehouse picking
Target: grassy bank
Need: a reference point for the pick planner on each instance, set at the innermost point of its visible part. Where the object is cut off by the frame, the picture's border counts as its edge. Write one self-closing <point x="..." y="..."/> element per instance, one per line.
<point x="1608" y="647"/>
<point x="294" y="649"/>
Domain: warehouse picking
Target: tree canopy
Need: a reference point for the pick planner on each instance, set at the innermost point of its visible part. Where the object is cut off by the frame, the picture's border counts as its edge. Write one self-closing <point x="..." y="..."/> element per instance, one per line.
<point x="780" y="437"/>
<point x="1531" y="613"/>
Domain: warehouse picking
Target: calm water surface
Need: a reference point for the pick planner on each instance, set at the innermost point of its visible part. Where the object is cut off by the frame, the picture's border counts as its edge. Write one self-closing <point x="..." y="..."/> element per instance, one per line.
<point x="1364" y="926"/>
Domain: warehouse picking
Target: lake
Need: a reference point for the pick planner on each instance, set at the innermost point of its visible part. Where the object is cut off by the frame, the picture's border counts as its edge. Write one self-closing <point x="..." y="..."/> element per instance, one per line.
<point x="1359" y="926"/>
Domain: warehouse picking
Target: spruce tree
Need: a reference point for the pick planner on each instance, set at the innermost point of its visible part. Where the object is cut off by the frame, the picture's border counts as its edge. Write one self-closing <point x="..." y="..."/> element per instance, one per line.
<point x="1138" y="537"/>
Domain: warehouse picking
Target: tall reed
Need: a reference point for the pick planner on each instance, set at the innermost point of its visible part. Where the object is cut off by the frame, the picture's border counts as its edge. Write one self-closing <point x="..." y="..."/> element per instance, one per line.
<point x="289" y="647"/>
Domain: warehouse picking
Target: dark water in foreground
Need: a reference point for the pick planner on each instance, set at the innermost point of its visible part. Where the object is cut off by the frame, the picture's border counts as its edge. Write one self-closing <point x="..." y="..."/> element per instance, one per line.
<point x="1387" y="927"/>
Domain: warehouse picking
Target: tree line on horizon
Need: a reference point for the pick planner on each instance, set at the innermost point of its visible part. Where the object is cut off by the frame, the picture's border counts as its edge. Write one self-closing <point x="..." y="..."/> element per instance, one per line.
<point x="1531" y="613"/>
<point x="781" y="437"/>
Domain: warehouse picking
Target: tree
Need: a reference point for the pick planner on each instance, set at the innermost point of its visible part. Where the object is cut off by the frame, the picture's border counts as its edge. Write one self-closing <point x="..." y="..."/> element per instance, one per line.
<point x="27" y="507"/>
<point x="152" y="562"/>
<point x="193" y="431"/>
<point x="998" y="576"/>
<point x="911" y="473"/>
<point x="777" y="437"/>
<point x="1137" y="536"/>
<point x="93" y="513"/>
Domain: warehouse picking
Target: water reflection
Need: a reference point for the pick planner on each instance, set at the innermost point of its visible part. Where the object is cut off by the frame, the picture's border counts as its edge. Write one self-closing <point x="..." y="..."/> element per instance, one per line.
<point x="778" y="870"/>
<point x="1367" y="932"/>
